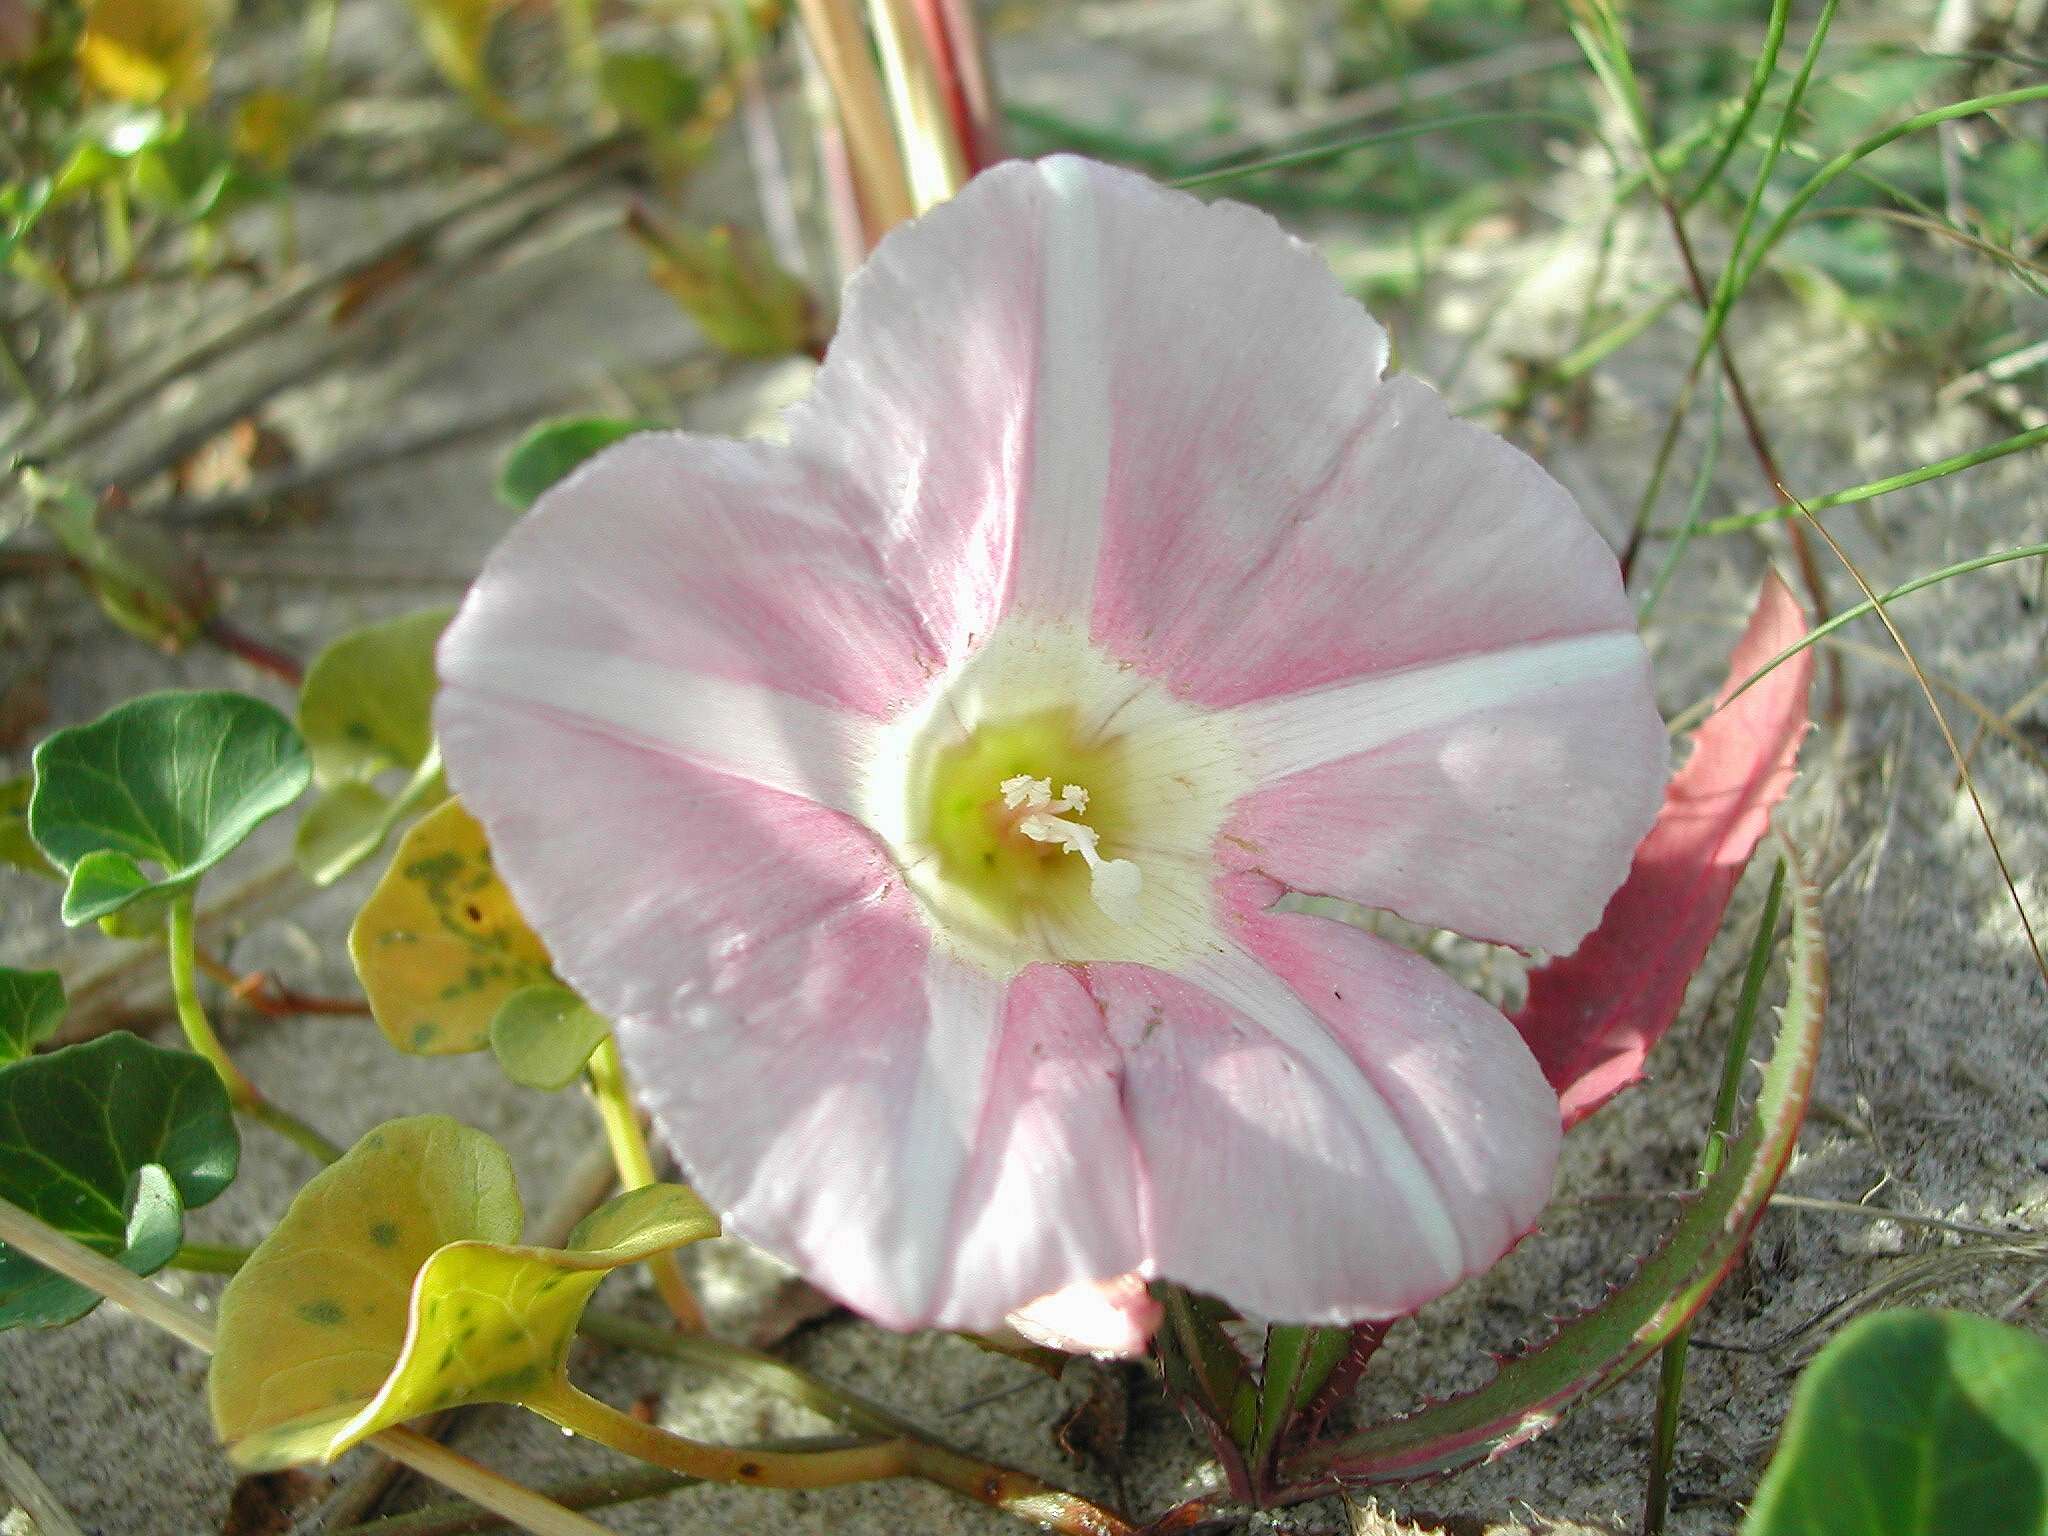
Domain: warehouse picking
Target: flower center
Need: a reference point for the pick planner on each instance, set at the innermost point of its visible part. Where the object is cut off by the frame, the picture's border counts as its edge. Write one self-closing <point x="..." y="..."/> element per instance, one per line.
<point x="1000" y="836"/>
<point x="1115" y="883"/>
<point x="1046" y="803"/>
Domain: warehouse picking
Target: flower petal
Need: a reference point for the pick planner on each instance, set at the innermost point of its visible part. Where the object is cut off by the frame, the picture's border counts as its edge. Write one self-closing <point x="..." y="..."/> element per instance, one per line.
<point x="1592" y="1019"/>
<point x="1330" y="1097"/>
<point x="1500" y="796"/>
<point x="1111" y="1319"/>
<point x="739" y="562"/>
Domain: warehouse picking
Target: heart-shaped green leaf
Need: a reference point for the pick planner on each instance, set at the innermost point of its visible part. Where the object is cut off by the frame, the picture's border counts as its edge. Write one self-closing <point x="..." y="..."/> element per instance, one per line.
<point x="109" y="1142"/>
<point x="31" y="1007"/>
<point x="173" y="779"/>
<point x="543" y="1035"/>
<point x="395" y="1286"/>
<point x="1914" y="1423"/>
<point x="550" y="450"/>
<point x="366" y="711"/>
<point x="439" y="946"/>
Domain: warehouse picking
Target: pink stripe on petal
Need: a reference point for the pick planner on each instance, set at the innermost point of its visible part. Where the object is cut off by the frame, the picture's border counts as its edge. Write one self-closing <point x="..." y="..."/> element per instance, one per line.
<point x="1382" y="1181"/>
<point x="734" y="561"/>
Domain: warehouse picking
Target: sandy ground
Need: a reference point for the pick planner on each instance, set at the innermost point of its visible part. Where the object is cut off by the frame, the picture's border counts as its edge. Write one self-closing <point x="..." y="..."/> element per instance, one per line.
<point x="1935" y="1073"/>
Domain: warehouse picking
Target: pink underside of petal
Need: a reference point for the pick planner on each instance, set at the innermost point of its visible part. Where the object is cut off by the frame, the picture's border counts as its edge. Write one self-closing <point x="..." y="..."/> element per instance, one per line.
<point x="1112" y="1319"/>
<point x="1054" y="1189"/>
<point x="733" y="560"/>
<point x="1359" y="526"/>
<point x="1511" y="824"/>
<point x="1591" y="1019"/>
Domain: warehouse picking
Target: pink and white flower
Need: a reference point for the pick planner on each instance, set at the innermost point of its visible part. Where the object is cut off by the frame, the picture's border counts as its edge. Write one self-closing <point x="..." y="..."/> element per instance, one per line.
<point x="916" y="795"/>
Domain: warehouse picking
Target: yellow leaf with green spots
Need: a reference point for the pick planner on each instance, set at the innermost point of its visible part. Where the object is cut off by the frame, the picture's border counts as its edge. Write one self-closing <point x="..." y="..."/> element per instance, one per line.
<point x="395" y="1286"/>
<point x="439" y="945"/>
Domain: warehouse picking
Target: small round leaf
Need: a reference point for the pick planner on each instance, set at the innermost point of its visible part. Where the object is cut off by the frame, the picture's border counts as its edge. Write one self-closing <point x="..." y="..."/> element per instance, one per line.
<point x="368" y="698"/>
<point x="550" y="450"/>
<point x="439" y="945"/>
<point x="543" y="1035"/>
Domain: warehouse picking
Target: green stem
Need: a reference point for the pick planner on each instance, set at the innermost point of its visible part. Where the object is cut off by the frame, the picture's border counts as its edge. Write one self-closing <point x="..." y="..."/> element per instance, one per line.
<point x="635" y="1162"/>
<point x="582" y="1414"/>
<point x="1759" y="82"/>
<point x="1671" y="1368"/>
<point x="210" y="1258"/>
<point x="1820" y="632"/>
<point x="1710" y="456"/>
<point x="199" y="1034"/>
<point x="1848" y="157"/>
<point x="1871" y="490"/>
<point x="119" y="233"/>
<point x="986" y="1482"/>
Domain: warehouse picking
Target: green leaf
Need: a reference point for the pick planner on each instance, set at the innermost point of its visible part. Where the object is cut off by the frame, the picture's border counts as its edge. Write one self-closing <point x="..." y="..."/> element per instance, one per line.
<point x="109" y="1142"/>
<point x="542" y="1036"/>
<point x="16" y="846"/>
<point x="366" y="706"/>
<point x="440" y="946"/>
<point x="1914" y="1423"/>
<point x="549" y="451"/>
<point x="366" y="711"/>
<point x="144" y="580"/>
<point x="1592" y="1352"/>
<point x="395" y="1286"/>
<point x="174" y="779"/>
<point x="31" y="1007"/>
<point x="649" y="91"/>
<point x="1298" y="1361"/>
<point x="728" y="283"/>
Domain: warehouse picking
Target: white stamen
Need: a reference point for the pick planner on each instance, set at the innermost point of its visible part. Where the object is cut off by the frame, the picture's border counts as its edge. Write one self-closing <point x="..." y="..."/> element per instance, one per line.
<point x="1114" y="883"/>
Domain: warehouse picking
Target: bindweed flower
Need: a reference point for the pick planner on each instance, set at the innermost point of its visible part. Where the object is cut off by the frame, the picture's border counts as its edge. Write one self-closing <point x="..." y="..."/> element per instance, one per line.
<point x="916" y="794"/>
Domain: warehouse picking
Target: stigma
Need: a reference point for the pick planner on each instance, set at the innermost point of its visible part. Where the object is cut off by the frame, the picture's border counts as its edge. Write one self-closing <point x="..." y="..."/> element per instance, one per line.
<point x="1114" y="883"/>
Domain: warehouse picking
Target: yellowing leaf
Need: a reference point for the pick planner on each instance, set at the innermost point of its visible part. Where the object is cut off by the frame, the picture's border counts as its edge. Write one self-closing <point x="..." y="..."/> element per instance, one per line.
<point x="395" y="1286"/>
<point x="148" y="51"/>
<point x="439" y="945"/>
<point x="269" y="127"/>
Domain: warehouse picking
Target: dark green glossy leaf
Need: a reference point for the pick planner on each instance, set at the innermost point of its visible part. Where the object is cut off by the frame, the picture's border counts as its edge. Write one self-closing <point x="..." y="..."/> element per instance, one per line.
<point x="31" y="1007"/>
<point x="173" y="780"/>
<point x="109" y="1142"/>
<point x="542" y="1035"/>
<point x="1914" y="1423"/>
<point x="549" y="451"/>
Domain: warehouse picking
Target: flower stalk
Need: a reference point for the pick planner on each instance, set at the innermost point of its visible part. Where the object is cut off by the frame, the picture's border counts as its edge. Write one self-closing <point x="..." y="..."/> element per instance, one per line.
<point x="247" y="1099"/>
<point x="635" y="1162"/>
